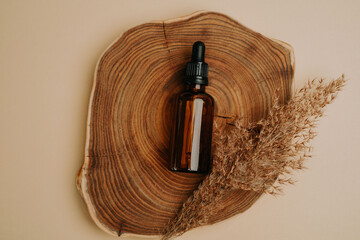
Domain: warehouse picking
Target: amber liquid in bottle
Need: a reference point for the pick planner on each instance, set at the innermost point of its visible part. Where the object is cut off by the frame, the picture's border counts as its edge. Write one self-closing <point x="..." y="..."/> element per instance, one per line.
<point x="192" y="133"/>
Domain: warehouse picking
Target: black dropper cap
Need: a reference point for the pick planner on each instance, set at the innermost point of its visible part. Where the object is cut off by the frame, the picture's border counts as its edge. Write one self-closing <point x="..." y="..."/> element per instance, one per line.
<point x="197" y="69"/>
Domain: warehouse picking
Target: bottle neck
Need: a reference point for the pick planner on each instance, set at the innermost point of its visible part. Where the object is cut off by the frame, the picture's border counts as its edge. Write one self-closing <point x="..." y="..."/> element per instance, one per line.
<point x="196" y="87"/>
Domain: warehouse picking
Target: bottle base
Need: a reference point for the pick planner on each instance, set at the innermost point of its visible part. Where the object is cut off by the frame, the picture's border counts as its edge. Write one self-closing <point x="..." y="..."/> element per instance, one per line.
<point x="188" y="171"/>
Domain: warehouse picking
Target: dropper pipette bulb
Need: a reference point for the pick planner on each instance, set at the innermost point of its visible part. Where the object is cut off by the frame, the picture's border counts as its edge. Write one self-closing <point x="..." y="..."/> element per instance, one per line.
<point x="198" y="52"/>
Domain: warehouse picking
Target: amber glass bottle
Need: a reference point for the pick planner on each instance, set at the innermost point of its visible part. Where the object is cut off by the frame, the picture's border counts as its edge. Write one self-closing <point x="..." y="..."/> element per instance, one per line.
<point x="191" y="136"/>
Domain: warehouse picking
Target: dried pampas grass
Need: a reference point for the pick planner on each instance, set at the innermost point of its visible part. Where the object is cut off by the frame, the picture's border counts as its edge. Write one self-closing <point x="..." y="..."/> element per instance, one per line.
<point x="259" y="156"/>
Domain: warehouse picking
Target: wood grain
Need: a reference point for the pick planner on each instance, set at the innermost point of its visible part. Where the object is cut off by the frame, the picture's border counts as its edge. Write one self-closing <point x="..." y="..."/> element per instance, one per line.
<point x="124" y="179"/>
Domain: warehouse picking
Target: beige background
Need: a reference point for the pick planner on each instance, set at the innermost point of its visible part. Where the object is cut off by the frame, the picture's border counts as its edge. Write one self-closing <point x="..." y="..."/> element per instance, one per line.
<point x="48" y="52"/>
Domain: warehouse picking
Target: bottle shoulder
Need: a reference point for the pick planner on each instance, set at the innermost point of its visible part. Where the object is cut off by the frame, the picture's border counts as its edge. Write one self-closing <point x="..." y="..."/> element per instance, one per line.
<point x="189" y="95"/>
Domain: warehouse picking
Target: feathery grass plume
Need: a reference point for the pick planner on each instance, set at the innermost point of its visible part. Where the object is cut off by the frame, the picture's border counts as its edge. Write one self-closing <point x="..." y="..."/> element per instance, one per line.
<point x="259" y="156"/>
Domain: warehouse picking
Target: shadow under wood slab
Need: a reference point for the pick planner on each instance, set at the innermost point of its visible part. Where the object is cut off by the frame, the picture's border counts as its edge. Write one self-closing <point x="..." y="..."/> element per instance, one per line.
<point x="124" y="179"/>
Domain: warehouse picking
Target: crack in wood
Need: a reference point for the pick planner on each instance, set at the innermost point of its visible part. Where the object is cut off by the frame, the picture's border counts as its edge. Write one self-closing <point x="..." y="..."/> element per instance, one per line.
<point x="120" y="230"/>
<point x="166" y="42"/>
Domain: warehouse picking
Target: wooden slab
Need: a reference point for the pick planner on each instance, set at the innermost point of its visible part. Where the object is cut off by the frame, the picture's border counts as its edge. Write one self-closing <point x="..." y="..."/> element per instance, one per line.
<point x="124" y="179"/>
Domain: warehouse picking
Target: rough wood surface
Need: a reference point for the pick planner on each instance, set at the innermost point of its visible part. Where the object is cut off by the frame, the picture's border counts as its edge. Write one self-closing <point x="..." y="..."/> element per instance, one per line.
<point x="124" y="179"/>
